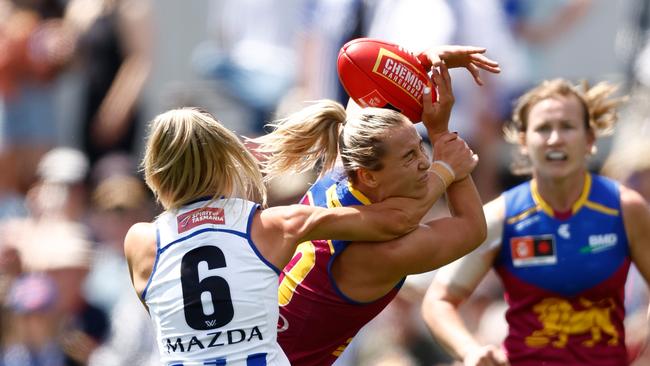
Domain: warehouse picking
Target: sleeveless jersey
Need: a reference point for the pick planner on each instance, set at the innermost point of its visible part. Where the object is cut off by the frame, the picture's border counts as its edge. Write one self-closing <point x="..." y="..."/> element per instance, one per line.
<point x="211" y="295"/>
<point x="564" y="279"/>
<point x="317" y="321"/>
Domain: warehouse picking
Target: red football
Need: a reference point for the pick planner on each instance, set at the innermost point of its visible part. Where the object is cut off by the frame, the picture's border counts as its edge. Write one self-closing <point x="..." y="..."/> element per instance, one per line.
<point x="376" y="73"/>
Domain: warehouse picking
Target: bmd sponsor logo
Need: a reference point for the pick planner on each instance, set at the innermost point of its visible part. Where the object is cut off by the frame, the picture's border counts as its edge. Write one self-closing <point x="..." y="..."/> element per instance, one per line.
<point x="600" y="242"/>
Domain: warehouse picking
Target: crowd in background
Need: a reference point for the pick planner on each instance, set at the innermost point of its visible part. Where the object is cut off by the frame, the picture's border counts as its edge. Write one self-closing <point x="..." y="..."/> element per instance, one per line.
<point x="74" y="76"/>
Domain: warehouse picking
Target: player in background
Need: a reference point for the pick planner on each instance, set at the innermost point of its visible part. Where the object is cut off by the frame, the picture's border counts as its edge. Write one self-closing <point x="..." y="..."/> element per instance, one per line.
<point x="207" y="268"/>
<point x="562" y="243"/>
<point x="331" y="288"/>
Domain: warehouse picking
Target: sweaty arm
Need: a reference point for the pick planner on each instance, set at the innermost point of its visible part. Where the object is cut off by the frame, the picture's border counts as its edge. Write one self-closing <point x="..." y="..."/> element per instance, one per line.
<point x="453" y="284"/>
<point x="443" y="240"/>
<point x="278" y="230"/>
<point x="367" y="271"/>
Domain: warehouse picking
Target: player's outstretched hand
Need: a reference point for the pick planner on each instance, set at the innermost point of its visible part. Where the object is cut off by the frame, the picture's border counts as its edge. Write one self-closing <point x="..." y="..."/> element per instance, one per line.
<point x="470" y="57"/>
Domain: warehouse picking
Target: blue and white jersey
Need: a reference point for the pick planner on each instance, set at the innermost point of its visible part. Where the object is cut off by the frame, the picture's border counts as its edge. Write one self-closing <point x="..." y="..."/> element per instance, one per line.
<point x="212" y="297"/>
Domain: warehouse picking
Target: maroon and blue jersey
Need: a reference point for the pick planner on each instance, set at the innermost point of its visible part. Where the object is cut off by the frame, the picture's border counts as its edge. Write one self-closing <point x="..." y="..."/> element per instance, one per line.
<point x="564" y="278"/>
<point x="317" y="321"/>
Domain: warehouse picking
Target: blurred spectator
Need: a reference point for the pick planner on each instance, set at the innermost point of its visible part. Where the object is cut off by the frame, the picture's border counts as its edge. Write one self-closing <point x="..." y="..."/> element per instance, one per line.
<point x="131" y="340"/>
<point x="54" y="241"/>
<point x="110" y="165"/>
<point x="61" y="187"/>
<point x="114" y="58"/>
<point x="83" y="326"/>
<point x="12" y="202"/>
<point x="251" y="53"/>
<point x="118" y="201"/>
<point x="328" y="25"/>
<point x="56" y="203"/>
<point x="536" y="25"/>
<point x="633" y="43"/>
<point x="35" y="45"/>
<point x="32" y="300"/>
<point x="61" y="249"/>
<point x="10" y="269"/>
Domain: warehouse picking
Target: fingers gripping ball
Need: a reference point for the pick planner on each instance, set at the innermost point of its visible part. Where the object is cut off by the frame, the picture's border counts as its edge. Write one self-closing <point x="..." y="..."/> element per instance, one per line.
<point x="376" y="73"/>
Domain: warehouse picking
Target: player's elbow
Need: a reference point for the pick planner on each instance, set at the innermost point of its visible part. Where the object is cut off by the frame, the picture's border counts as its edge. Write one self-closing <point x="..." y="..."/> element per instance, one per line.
<point x="433" y="306"/>
<point x="297" y="222"/>
<point x="429" y="310"/>
<point x="440" y="300"/>
<point x="399" y="223"/>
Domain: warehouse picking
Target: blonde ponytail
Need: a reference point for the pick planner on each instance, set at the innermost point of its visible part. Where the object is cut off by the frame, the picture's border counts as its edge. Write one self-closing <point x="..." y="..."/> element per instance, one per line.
<point x="301" y="141"/>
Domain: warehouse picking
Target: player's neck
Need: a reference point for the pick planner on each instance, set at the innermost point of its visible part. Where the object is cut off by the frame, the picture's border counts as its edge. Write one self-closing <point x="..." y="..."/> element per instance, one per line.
<point x="371" y="193"/>
<point x="561" y="194"/>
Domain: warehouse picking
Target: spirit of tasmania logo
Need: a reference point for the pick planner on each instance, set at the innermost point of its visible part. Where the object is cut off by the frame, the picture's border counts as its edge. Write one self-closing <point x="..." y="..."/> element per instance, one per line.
<point x="400" y="72"/>
<point x="200" y="216"/>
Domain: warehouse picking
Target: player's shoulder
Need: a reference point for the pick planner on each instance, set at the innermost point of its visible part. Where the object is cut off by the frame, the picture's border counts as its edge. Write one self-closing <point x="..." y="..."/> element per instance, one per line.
<point x="140" y="236"/>
<point x="141" y="229"/>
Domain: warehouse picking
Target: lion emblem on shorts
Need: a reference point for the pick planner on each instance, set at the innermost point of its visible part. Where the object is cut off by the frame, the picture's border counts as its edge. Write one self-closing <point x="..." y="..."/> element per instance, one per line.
<point x="560" y="320"/>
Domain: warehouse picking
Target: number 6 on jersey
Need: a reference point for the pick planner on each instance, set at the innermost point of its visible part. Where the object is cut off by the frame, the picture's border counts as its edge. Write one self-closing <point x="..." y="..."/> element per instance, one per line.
<point x="207" y="301"/>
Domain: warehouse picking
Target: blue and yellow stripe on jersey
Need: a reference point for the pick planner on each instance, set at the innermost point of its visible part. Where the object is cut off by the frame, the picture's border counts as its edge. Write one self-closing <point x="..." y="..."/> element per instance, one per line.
<point x="334" y="190"/>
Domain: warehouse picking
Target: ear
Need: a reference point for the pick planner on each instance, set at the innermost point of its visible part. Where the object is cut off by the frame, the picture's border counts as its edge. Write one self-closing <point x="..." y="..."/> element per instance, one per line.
<point x="523" y="149"/>
<point x="366" y="177"/>
<point x="591" y="142"/>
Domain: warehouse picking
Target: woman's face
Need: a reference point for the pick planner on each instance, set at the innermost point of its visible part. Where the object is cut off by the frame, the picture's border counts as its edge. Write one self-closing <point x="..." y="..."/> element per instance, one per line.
<point x="405" y="164"/>
<point x="556" y="138"/>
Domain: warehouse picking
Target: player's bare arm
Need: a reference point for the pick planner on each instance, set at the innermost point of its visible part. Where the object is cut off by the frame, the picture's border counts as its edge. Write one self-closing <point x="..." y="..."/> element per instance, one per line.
<point x="140" y="251"/>
<point x="288" y="226"/>
<point x="453" y="284"/>
<point x="636" y="216"/>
